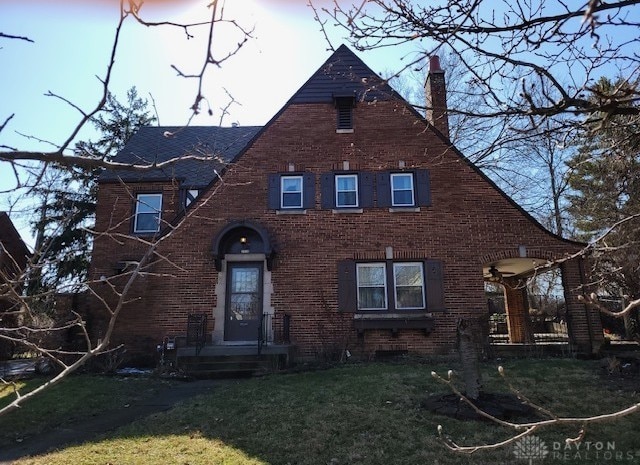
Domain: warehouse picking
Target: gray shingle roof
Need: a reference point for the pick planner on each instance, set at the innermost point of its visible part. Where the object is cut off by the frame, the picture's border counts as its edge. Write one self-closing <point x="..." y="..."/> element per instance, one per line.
<point x="155" y="144"/>
<point x="343" y="74"/>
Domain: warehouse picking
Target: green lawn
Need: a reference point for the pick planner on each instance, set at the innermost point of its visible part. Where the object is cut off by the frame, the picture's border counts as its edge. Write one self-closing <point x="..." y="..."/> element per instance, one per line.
<point x="75" y="399"/>
<point x="357" y="414"/>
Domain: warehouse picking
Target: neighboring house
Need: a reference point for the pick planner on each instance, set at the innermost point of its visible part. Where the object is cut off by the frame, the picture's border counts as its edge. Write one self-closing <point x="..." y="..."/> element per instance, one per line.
<point x="347" y="222"/>
<point x="14" y="256"/>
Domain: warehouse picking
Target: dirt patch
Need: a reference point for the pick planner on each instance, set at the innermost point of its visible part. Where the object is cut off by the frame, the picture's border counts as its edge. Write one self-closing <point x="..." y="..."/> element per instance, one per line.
<point x="502" y="406"/>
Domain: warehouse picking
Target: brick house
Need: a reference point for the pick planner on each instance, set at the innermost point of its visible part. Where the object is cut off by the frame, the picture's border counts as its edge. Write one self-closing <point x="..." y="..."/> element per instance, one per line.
<point x="14" y="256"/>
<point x="348" y="221"/>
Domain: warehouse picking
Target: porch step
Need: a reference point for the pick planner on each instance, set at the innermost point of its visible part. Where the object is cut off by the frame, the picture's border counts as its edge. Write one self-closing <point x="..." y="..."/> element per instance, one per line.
<point x="229" y="366"/>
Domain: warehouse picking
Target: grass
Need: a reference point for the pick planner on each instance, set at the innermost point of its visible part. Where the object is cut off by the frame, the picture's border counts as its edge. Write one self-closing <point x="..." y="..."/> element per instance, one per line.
<point x="75" y="399"/>
<point x="355" y="414"/>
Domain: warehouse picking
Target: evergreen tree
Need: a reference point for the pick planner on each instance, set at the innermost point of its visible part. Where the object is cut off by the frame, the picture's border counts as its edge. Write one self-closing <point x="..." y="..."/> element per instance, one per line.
<point x="67" y="197"/>
<point x="606" y="183"/>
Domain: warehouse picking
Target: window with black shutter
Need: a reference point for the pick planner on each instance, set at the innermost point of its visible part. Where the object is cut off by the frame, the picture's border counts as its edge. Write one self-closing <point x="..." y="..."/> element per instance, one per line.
<point x="348" y="191"/>
<point x="294" y="192"/>
<point x="390" y="286"/>
<point x="404" y="189"/>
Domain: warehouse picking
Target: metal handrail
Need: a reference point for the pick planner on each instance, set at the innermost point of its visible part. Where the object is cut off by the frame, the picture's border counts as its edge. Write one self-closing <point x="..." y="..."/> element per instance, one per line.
<point x="197" y="330"/>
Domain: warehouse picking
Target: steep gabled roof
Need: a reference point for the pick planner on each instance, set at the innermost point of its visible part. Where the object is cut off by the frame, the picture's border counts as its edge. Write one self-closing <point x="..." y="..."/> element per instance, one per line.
<point x="11" y="242"/>
<point x="343" y="74"/>
<point x="156" y="144"/>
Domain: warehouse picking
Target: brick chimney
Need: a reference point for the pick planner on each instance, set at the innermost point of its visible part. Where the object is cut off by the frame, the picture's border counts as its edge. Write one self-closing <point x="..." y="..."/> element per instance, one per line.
<point x="436" y="93"/>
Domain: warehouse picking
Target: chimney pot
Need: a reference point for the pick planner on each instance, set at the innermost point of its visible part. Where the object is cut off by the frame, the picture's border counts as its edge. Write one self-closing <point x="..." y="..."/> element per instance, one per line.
<point x="434" y="63"/>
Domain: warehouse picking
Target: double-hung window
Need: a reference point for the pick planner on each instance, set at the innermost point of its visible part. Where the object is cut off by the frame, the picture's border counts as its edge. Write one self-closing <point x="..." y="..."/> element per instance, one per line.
<point x="372" y="286"/>
<point x="402" y="190"/>
<point x="291" y="192"/>
<point x="408" y="281"/>
<point x="390" y="285"/>
<point x="346" y="190"/>
<point x="148" y="213"/>
<point x="408" y="286"/>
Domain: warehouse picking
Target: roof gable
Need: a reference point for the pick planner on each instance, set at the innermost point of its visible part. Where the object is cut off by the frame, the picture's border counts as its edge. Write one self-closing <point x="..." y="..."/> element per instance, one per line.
<point x="343" y="74"/>
<point x="12" y="243"/>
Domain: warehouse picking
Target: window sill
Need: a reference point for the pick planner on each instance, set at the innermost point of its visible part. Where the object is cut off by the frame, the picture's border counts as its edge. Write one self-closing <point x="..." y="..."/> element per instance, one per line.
<point x="393" y="322"/>
<point x="292" y="211"/>
<point x="347" y="210"/>
<point x="404" y="209"/>
<point x="344" y="131"/>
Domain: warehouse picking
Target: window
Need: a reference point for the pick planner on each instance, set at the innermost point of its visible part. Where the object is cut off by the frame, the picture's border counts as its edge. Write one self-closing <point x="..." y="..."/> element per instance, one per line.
<point x="189" y="196"/>
<point x="148" y="212"/>
<point x="372" y="286"/>
<point x="394" y="286"/>
<point x="346" y="190"/>
<point x="406" y="189"/>
<point x="402" y="190"/>
<point x="291" y="191"/>
<point x="409" y="285"/>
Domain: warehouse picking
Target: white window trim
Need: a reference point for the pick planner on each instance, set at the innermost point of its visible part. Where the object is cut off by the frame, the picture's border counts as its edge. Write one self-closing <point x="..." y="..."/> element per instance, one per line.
<point x="372" y="265"/>
<point x="282" y="192"/>
<point x="413" y="190"/>
<point x="395" y="284"/>
<point x="137" y="213"/>
<point x="355" y="177"/>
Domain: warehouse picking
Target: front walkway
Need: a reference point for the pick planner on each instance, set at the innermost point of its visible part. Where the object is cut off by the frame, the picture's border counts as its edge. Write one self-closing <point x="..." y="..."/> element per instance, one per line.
<point x="108" y="421"/>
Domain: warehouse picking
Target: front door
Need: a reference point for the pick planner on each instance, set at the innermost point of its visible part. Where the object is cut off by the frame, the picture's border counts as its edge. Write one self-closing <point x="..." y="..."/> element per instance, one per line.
<point x="243" y="307"/>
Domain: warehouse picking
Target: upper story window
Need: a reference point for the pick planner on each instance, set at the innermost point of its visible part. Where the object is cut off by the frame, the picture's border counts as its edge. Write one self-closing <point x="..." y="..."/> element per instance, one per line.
<point x="346" y="190"/>
<point x="291" y="192"/>
<point x="148" y="213"/>
<point x="404" y="189"/>
<point x="189" y="196"/>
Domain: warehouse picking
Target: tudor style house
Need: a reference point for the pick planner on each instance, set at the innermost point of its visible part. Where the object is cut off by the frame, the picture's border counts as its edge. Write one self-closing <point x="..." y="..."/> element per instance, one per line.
<point x="349" y="221"/>
<point x="14" y="256"/>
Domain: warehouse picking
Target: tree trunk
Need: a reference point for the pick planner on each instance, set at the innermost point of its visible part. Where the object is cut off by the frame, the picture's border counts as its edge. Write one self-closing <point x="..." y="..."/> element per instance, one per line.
<point x="469" y="358"/>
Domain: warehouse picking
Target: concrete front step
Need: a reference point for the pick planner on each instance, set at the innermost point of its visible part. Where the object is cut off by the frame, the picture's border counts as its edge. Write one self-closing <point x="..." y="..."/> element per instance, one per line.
<point x="221" y="366"/>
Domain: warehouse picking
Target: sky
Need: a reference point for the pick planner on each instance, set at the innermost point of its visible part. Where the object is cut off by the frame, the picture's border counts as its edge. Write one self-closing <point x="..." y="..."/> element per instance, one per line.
<point x="72" y="41"/>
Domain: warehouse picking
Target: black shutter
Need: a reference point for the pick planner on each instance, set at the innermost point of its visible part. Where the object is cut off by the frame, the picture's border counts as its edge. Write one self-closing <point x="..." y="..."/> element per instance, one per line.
<point x="365" y="188"/>
<point x="347" y="287"/>
<point x="423" y="188"/>
<point x="328" y="189"/>
<point x="383" y="186"/>
<point x="309" y="190"/>
<point x="274" y="192"/>
<point x="434" y="285"/>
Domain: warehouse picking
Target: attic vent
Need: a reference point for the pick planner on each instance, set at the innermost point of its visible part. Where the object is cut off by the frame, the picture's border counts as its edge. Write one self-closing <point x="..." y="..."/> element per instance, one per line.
<point x="344" y="113"/>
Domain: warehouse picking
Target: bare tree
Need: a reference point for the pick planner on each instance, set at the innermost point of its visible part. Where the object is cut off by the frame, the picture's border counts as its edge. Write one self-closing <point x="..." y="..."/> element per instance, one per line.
<point x="30" y="167"/>
<point x="534" y="68"/>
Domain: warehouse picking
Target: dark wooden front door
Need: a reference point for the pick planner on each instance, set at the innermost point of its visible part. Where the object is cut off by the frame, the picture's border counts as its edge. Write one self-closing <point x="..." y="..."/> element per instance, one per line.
<point x="243" y="302"/>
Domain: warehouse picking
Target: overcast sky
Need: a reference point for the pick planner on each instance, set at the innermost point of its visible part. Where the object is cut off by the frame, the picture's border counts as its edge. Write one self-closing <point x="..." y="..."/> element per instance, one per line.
<point x="72" y="41"/>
